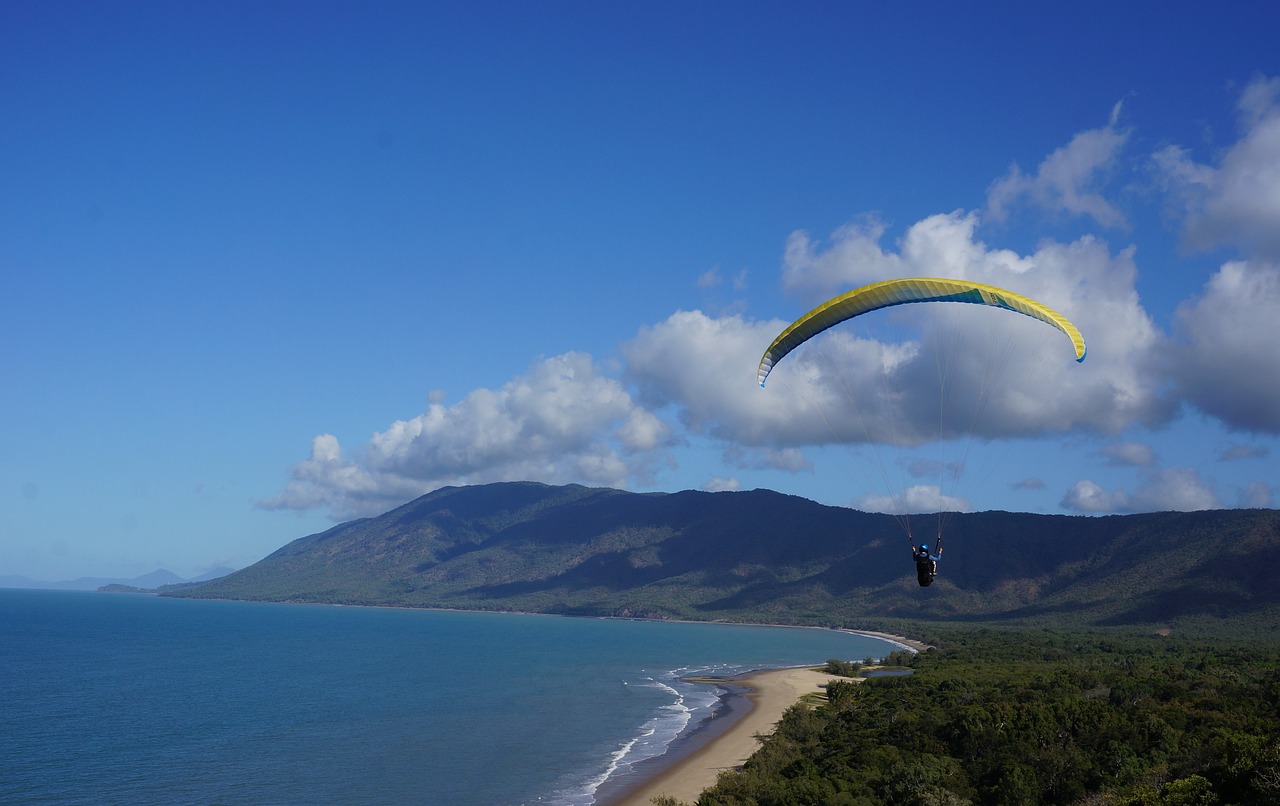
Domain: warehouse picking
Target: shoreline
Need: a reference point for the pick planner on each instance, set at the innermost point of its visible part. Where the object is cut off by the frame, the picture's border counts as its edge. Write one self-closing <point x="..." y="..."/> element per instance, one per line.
<point x="900" y="640"/>
<point x="767" y="696"/>
<point x="728" y="738"/>
<point x="752" y="705"/>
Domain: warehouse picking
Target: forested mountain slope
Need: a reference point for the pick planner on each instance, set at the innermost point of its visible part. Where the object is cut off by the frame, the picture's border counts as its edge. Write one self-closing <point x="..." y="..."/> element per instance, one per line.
<point x="761" y="555"/>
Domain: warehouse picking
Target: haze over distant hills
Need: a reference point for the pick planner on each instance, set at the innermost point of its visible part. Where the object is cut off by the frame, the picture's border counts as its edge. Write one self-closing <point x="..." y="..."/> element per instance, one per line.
<point x="151" y="581"/>
<point x="764" y="556"/>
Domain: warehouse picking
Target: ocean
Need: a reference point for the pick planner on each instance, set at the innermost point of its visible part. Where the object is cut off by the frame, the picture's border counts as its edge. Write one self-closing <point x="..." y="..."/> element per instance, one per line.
<point x="118" y="698"/>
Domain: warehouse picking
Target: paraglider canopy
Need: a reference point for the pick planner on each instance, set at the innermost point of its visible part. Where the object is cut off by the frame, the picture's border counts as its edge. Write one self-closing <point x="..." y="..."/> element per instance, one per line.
<point x="884" y="294"/>
<point x="904" y="291"/>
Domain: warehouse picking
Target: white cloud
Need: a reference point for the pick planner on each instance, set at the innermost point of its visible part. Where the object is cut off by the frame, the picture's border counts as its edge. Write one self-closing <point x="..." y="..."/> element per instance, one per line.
<point x="853" y="258"/>
<point x="565" y="421"/>
<point x="1259" y="101"/>
<point x="1174" y="488"/>
<point x="865" y="381"/>
<point x="1226" y="358"/>
<point x="706" y="367"/>
<point x="1087" y="496"/>
<point x="720" y="484"/>
<point x="561" y="422"/>
<point x="876" y="380"/>
<point x="1237" y="201"/>
<point x="642" y="430"/>
<point x="329" y="479"/>
<point x="1068" y="180"/>
<point x="915" y="500"/>
<point x="1179" y="489"/>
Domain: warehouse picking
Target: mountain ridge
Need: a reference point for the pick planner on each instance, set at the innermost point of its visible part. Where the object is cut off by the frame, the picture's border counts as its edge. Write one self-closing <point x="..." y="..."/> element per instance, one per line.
<point x="761" y="555"/>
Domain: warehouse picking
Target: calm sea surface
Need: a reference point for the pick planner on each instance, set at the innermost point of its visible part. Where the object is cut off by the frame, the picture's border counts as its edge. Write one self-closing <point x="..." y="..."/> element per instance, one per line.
<point x="113" y="698"/>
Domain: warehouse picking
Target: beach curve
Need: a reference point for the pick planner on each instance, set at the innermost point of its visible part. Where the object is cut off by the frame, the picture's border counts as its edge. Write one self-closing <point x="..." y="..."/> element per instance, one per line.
<point x="769" y="694"/>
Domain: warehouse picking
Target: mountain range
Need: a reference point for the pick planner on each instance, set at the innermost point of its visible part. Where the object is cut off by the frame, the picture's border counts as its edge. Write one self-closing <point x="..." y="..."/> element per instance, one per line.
<point x="763" y="556"/>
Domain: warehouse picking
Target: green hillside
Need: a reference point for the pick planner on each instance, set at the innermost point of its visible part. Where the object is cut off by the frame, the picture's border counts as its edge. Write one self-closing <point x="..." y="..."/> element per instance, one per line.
<point x="763" y="556"/>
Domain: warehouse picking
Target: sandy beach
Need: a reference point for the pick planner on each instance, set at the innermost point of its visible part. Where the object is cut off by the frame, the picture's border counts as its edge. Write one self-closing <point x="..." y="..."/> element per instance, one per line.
<point x="900" y="640"/>
<point x="770" y="694"/>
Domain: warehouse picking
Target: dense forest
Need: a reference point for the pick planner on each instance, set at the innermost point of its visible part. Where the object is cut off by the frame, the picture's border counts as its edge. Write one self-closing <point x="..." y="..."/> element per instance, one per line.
<point x="1033" y="717"/>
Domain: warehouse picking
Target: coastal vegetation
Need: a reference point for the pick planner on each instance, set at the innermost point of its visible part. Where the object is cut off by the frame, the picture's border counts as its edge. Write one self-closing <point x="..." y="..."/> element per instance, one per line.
<point x="1101" y="661"/>
<point x="844" y="668"/>
<point x="991" y="716"/>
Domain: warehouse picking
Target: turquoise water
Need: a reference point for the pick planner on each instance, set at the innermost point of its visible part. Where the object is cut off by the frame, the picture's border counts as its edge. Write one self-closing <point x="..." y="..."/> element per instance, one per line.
<point x="111" y="698"/>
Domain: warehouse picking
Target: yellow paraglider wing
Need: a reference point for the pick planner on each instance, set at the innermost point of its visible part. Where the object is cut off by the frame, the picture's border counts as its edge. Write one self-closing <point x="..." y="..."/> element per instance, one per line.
<point x="900" y="292"/>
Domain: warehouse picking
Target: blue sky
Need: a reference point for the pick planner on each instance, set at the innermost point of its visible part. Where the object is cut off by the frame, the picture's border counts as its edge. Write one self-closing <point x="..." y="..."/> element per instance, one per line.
<point x="272" y="266"/>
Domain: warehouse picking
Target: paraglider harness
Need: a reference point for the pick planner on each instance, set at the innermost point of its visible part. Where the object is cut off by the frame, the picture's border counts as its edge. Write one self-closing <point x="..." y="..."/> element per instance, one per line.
<point x="926" y="563"/>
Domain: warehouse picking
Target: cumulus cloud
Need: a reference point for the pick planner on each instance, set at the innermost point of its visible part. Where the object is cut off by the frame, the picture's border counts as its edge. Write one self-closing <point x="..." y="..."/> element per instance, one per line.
<point x="1089" y="497"/>
<point x="877" y="380"/>
<point x="705" y="367"/>
<point x="1179" y="489"/>
<point x="1174" y="488"/>
<point x="1237" y="201"/>
<point x="1225" y="360"/>
<point x="814" y="271"/>
<point x="563" y="421"/>
<point x="1068" y="180"/>
<point x="566" y="421"/>
<point x="329" y="479"/>
<point x="917" y="499"/>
